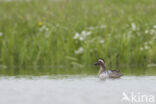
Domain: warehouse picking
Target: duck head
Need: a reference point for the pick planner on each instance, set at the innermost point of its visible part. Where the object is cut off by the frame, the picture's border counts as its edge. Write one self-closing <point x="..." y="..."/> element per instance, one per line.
<point x="100" y="62"/>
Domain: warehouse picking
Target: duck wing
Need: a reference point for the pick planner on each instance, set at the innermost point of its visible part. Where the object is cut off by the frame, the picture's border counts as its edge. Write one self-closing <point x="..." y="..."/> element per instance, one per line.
<point x="114" y="73"/>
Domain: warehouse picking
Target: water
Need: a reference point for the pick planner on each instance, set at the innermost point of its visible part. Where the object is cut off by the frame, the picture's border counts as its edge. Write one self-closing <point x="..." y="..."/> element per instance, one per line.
<point x="73" y="89"/>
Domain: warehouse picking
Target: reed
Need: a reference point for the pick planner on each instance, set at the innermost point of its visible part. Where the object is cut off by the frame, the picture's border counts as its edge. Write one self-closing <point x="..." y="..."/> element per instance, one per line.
<point x="74" y="33"/>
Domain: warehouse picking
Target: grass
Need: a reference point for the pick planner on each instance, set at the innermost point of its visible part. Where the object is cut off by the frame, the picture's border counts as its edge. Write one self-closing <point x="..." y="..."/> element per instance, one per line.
<point x="41" y="33"/>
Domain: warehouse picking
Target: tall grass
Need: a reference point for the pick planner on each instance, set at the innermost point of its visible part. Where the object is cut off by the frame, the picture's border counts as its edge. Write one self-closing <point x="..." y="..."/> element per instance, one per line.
<point x="75" y="33"/>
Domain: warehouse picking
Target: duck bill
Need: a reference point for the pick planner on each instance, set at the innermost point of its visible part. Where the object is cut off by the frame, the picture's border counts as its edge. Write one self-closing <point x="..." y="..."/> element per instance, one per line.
<point x="96" y="63"/>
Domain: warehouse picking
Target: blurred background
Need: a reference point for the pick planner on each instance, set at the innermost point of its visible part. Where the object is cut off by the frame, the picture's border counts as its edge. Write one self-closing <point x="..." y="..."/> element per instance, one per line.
<point x="48" y="49"/>
<point x="40" y="37"/>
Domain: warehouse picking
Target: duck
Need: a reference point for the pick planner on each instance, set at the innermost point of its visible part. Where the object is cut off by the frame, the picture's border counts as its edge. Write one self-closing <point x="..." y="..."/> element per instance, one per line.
<point x="106" y="74"/>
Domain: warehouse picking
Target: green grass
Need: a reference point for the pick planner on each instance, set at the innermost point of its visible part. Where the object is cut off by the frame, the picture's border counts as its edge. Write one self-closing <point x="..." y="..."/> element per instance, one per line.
<point x="41" y="32"/>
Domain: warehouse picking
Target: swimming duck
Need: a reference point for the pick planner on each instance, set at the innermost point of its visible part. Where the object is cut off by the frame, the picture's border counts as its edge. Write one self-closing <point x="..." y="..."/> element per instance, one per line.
<point x="104" y="74"/>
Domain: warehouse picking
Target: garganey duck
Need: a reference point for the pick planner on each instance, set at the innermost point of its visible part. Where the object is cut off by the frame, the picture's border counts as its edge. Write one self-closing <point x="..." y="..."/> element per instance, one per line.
<point x="104" y="74"/>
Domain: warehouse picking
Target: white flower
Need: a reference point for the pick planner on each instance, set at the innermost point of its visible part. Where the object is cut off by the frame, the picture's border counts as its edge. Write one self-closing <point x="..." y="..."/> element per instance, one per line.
<point x="152" y="32"/>
<point x="146" y="31"/>
<point x="79" y="51"/>
<point x="101" y="41"/>
<point x="1" y="34"/>
<point x="88" y="33"/>
<point x="77" y="35"/>
<point x="146" y="47"/>
<point x="85" y="33"/>
<point x="44" y="28"/>
<point x="154" y="26"/>
<point x="141" y="49"/>
<point x="133" y="26"/>
<point x="82" y="36"/>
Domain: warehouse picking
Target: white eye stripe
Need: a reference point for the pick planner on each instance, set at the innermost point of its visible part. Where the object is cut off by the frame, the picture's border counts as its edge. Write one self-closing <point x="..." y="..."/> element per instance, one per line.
<point x="101" y="60"/>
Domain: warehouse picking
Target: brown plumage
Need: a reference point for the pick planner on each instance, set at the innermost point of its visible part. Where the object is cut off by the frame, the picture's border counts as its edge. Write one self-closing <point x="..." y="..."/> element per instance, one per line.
<point x="104" y="74"/>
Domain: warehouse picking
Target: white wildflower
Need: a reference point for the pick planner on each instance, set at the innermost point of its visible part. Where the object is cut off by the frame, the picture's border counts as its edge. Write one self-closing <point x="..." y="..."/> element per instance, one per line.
<point x="77" y="35"/>
<point x="1" y="34"/>
<point x="97" y="27"/>
<point x="44" y="28"/>
<point x="141" y="49"/>
<point x="101" y="41"/>
<point x="79" y="51"/>
<point x="85" y="33"/>
<point x="82" y="36"/>
<point x="152" y="32"/>
<point x="89" y="33"/>
<point x="154" y="26"/>
<point x="146" y="47"/>
<point x="133" y="26"/>
<point x="146" y="31"/>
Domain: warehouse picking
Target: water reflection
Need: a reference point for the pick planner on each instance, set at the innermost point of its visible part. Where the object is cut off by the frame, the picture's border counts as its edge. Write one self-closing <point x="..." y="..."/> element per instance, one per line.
<point x="40" y="70"/>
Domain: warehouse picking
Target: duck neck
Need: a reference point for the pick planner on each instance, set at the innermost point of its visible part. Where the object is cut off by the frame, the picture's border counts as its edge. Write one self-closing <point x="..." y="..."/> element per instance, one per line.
<point x="102" y="68"/>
